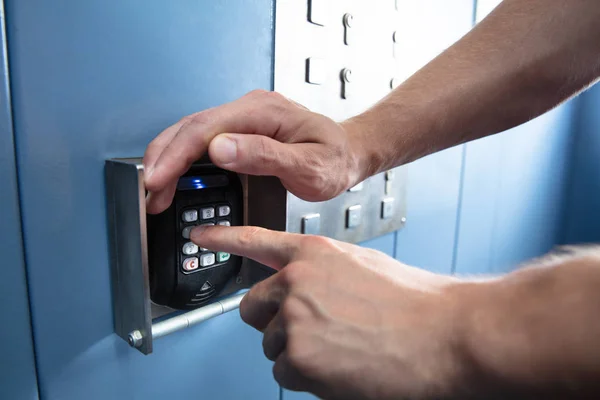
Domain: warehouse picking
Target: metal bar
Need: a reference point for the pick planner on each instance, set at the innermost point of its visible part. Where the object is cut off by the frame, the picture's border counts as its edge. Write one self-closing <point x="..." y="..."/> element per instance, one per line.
<point x="194" y="317"/>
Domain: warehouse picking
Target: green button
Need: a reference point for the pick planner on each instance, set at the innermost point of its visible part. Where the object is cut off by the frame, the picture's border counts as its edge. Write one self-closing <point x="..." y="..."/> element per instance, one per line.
<point x="222" y="257"/>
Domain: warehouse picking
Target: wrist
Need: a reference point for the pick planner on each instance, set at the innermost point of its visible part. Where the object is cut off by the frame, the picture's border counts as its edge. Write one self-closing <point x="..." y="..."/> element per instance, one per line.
<point x="364" y="147"/>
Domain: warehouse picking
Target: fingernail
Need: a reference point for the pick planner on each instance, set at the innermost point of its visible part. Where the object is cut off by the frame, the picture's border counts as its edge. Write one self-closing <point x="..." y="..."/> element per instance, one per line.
<point x="224" y="150"/>
<point x="149" y="171"/>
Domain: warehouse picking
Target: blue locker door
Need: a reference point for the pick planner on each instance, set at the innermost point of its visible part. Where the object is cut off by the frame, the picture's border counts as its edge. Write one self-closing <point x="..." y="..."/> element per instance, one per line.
<point x="93" y="80"/>
<point x="17" y="368"/>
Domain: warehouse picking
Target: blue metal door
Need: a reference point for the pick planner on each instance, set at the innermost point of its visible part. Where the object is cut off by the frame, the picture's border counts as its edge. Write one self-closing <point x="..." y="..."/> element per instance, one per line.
<point x="17" y="369"/>
<point x="93" y="80"/>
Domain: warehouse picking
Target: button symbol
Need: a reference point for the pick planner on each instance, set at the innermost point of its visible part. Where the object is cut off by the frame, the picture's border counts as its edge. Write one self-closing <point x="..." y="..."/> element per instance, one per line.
<point x="190" y="248"/>
<point x="190" y="216"/>
<point x="190" y="264"/>
<point x="222" y="257"/>
<point x="207" y="286"/>
<point x="208" y="213"/>
<point x="207" y="259"/>
<point x="224" y="211"/>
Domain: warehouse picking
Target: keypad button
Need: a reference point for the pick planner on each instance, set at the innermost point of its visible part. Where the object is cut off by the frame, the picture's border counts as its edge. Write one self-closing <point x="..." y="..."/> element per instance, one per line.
<point x="224" y="223"/>
<point x="222" y="257"/>
<point x="207" y="259"/>
<point x="208" y="224"/>
<point x="190" y="216"/>
<point x="186" y="231"/>
<point x="224" y="211"/>
<point x="190" y="264"/>
<point x="208" y="212"/>
<point x="189" y="248"/>
<point x="353" y="216"/>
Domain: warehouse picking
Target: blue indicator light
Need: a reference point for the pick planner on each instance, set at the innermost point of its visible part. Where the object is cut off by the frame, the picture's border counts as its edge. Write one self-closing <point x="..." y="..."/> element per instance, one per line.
<point x="202" y="182"/>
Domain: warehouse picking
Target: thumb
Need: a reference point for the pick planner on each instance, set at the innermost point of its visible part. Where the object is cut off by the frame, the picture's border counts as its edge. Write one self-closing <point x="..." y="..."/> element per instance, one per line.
<point x="253" y="154"/>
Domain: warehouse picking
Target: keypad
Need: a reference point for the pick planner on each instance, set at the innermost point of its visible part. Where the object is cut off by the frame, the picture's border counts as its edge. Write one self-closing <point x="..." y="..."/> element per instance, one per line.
<point x="192" y="256"/>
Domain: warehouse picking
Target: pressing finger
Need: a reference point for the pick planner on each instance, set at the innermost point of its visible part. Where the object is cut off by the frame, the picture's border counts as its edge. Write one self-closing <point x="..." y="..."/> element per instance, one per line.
<point x="271" y="248"/>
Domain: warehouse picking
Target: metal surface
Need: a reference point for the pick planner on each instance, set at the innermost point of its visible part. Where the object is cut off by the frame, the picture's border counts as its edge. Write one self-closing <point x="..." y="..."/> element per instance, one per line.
<point x="185" y="320"/>
<point x="90" y="83"/>
<point x="126" y="211"/>
<point x="581" y="223"/>
<point x="17" y="372"/>
<point x="354" y="46"/>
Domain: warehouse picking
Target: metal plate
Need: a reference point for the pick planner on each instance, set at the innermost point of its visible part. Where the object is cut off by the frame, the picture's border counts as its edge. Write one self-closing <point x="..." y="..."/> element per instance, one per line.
<point x="364" y="45"/>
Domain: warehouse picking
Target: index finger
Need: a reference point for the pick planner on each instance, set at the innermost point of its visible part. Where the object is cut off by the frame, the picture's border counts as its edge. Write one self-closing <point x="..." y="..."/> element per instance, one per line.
<point x="272" y="248"/>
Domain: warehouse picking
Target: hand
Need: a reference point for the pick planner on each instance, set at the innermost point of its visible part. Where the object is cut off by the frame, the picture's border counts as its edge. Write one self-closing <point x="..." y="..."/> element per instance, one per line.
<point x="345" y="322"/>
<point x="262" y="133"/>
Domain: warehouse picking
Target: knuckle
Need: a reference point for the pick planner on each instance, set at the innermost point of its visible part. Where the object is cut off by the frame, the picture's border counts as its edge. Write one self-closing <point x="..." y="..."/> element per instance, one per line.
<point x="293" y="274"/>
<point x="297" y="351"/>
<point x="291" y="309"/>
<point x="248" y="235"/>
<point x="318" y="241"/>
<point x="256" y="92"/>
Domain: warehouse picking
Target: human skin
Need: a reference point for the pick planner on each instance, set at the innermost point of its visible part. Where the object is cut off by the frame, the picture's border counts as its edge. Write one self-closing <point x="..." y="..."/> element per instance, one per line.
<point x="345" y="322"/>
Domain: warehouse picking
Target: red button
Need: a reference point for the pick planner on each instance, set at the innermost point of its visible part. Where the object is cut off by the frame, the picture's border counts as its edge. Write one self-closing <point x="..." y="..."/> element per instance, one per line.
<point x="190" y="264"/>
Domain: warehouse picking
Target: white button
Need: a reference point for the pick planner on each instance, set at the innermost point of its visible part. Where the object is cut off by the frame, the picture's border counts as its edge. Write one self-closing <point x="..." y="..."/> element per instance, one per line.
<point x="224" y="211"/>
<point x="186" y="231"/>
<point x="207" y="259"/>
<point x="208" y="213"/>
<point x="224" y="223"/>
<point x="190" y="216"/>
<point x="208" y="224"/>
<point x="190" y="248"/>
<point x="190" y="264"/>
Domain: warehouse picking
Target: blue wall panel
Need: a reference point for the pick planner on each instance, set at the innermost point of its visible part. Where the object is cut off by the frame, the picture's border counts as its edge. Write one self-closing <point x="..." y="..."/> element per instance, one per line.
<point x="513" y="194"/>
<point x="17" y="368"/>
<point x="93" y="80"/>
<point x="427" y="240"/>
<point x="582" y="221"/>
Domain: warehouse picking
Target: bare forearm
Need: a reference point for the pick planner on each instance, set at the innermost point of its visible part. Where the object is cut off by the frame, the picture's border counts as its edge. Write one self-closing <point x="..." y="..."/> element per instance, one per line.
<point x="534" y="333"/>
<point x="522" y="60"/>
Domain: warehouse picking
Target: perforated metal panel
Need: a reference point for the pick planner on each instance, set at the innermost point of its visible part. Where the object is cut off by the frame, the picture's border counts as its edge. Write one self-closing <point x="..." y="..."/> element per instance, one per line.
<point x="338" y="58"/>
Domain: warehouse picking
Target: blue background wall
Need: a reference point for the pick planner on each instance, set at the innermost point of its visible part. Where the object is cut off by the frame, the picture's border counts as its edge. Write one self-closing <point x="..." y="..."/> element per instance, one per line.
<point x="91" y="82"/>
<point x="17" y="366"/>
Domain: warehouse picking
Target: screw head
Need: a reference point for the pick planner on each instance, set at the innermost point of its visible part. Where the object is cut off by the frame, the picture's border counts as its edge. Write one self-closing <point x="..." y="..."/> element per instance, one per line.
<point x="135" y="339"/>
